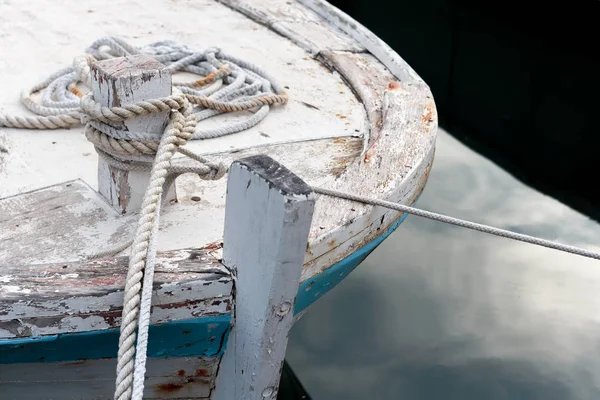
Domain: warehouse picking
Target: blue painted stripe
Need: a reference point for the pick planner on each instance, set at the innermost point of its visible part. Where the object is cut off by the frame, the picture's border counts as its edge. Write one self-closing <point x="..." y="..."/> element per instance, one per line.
<point x="195" y="337"/>
<point x="188" y="338"/>
<point x="314" y="288"/>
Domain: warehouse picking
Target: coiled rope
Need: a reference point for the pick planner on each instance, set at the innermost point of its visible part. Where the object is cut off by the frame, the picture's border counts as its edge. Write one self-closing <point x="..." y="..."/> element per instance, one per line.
<point x="227" y="84"/>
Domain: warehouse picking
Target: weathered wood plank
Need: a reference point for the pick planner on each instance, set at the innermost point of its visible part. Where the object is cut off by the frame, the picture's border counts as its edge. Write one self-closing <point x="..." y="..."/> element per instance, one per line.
<point x="374" y="45"/>
<point x="57" y="224"/>
<point x="316" y="95"/>
<point x="394" y="166"/>
<point x="399" y="143"/>
<point x="122" y="81"/>
<point x="167" y="378"/>
<point x="81" y="297"/>
<point x="342" y="227"/>
<point x="267" y="219"/>
<point x="297" y="23"/>
<point x="83" y="223"/>
<point x="199" y="336"/>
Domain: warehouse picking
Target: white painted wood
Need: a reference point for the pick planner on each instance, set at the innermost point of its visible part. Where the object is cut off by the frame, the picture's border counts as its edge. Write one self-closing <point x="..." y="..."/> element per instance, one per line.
<point x="337" y="90"/>
<point x="365" y="37"/>
<point x="118" y="82"/>
<point x="398" y="119"/>
<point x="80" y="297"/>
<point x="268" y="216"/>
<point x="166" y="378"/>
<point x="298" y="23"/>
<point x="395" y="165"/>
<point x="317" y="96"/>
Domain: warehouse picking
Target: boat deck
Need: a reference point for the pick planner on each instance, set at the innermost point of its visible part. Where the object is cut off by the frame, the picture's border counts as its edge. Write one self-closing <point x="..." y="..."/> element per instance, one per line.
<point x="358" y="120"/>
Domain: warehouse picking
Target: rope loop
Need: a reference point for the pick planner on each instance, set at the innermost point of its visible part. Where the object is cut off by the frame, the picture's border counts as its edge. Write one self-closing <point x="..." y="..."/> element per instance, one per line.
<point x="226" y="85"/>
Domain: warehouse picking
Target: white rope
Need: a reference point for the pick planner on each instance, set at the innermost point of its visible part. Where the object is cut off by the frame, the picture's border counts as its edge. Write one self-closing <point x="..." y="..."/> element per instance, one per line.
<point x="227" y="85"/>
<point x="130" y="376"/>
<point x="459" y="222"/>
<point x="226" y="79"/>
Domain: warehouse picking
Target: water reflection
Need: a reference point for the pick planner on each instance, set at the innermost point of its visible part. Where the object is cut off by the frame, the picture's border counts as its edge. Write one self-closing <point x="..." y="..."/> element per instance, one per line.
<point x="440" y="312"/>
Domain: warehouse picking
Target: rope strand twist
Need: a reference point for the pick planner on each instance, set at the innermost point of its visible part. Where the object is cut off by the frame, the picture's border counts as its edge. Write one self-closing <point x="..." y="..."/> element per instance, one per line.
<point x="227" y="85"/>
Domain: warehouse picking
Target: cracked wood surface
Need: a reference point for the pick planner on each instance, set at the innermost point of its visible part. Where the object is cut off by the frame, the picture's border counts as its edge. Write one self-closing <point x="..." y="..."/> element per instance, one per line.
<point x="79" y="297"/>
<point x="359" y="120"/>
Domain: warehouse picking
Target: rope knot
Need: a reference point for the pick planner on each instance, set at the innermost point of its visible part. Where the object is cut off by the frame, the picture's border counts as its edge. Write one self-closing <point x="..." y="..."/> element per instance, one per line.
<point x="217" y="171"/>
<point x="226" y="84"/>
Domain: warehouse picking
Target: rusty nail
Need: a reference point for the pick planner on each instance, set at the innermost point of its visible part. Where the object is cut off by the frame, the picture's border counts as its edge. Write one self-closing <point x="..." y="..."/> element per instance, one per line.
<point x="284" y="308"/>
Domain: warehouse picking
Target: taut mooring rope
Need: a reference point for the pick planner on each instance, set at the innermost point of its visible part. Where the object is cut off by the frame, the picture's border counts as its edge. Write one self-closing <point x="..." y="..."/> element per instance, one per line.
<point x="459" y="222"/>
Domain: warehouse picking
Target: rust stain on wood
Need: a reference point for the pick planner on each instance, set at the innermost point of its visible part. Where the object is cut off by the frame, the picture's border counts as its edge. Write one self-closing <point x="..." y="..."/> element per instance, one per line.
<point x="352" y="148"/>
<point x="75" y="363"/>
<point x="167" y="388"/>
<point x="199" y="378"/>
<point x="394" y="86"/>
<point x="428" y="116"/>
<point x="213" y="246"/>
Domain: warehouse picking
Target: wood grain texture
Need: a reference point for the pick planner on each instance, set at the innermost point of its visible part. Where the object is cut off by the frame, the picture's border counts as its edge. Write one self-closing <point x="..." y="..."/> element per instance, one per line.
<point x="34" y="161"/>
<point x="58" y="223"/>
<point x="119" y="82"/>
<point x="297" y="23"/>
<point x="374" y="45"/>
<point x="79" y="297"/>
<point x="394" y="166"/>
<point x="399" y="143"/>
<point x="393" y="111"/>
<point x="268" y="216"/>
<point x="168" y="378"/>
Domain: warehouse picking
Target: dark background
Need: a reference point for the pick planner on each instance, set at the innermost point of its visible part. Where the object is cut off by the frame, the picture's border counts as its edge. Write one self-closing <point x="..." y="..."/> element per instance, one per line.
<point x="515" y="81"/>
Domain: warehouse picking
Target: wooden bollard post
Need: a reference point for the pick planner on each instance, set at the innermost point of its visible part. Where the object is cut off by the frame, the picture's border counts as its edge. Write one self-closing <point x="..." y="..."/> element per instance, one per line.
<point x="268" y="215"/>
<point x="122" y="81"/>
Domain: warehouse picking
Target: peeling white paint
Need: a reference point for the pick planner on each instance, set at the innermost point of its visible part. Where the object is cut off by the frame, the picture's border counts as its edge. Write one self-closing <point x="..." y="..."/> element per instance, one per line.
<point x="395" y="168"/>
<point x="14" y="289"/>
<point x="90" y="298"/>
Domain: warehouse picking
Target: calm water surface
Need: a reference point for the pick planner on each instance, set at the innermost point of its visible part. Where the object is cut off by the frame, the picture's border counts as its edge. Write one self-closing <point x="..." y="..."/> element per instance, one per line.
<point x="441" y="312"/>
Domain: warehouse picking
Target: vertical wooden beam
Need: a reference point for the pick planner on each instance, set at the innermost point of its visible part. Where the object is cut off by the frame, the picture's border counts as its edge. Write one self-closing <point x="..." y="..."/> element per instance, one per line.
<point x="267" y="220"/>
<point x="118" y="82"/>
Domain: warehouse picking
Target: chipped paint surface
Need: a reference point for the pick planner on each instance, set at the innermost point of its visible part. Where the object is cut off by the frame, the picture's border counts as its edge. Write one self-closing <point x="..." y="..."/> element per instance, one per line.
<point x="73" y="297"/>
<point x="189" y="377"/>
<point x="398" y="126"/>
<point x="117" y="82"/>
<point x="399" y="142"/>
<point x="395" y="166"/>
<point x="202" y="336"/>
<point x="267" y="221"/>
<point x="315" y="287"/>
<point x="35" y="162"/>
<point x="380" y="143"/>
<point x="81" y="222"/>
<point x="300" y="24"/>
